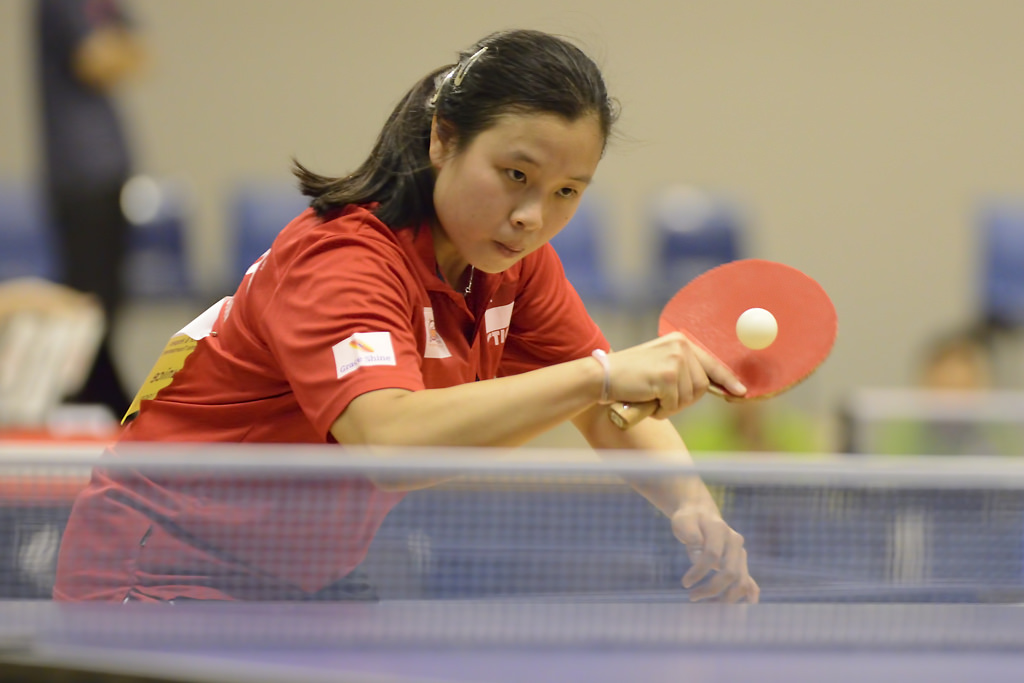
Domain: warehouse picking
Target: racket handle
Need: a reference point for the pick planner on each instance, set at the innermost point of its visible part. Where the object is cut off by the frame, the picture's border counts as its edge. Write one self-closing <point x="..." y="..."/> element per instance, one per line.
<point x="625" y="415"/>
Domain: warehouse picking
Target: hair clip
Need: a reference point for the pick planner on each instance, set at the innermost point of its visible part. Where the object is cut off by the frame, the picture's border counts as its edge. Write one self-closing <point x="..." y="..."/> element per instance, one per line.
<point x="437" y="92"/>
<point x="460" y="73"/>
<point x="456" y="74"/>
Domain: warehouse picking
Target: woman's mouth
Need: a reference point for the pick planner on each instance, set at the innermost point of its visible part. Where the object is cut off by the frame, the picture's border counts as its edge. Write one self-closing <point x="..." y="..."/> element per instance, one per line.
<point x="509" y="251"/>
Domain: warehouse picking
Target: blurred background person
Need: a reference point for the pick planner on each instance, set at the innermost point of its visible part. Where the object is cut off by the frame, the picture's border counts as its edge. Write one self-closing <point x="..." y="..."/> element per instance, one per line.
<point x="950" y="411"/>
<point x="958" y="361"/>
<point x="955" y="366"/>
<point x="85" y="49"/>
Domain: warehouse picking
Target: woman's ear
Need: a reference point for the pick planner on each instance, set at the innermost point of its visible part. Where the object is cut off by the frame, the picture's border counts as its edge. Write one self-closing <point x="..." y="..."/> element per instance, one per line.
<point x="442" y="142"/>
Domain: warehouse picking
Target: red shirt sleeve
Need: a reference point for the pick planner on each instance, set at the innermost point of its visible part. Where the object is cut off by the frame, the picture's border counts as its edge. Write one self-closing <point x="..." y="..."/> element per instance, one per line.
<point x="550" y="323"/>
<point x="331" y="290"/>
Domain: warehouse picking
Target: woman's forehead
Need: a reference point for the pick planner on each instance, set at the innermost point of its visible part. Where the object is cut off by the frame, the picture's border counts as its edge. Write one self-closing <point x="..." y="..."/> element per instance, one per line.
<point x="543" y="138"/>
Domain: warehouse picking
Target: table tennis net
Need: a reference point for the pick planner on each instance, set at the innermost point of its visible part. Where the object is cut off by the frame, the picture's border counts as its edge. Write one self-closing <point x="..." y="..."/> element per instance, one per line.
<point x="291" y="524"/>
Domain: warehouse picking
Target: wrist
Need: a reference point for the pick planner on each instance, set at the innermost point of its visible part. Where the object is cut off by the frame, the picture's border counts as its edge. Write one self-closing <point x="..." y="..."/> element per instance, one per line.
<point x="606" y="375"/>
<point x="696" y="497"/>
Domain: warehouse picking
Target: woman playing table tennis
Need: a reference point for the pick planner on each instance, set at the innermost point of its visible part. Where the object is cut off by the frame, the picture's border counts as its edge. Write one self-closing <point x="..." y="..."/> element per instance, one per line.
<point x="416" y="303"/>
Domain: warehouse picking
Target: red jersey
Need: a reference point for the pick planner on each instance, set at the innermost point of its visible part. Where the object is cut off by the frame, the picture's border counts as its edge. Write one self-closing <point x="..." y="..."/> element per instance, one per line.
<point x="336" y="308"/>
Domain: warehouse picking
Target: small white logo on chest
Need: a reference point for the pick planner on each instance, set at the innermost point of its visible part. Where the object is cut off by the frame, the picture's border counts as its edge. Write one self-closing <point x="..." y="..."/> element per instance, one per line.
<point x="435" y="346"/>
<point x="496" y="322"/>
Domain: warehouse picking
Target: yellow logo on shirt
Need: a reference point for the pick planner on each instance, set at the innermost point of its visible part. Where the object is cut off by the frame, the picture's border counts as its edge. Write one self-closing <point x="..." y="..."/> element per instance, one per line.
<point x="171" y="359"/>
<point x="360" y="345"/>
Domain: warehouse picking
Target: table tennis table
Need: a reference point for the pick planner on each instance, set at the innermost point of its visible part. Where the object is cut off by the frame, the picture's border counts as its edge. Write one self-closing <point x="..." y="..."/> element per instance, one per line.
<point x="500" y="641"/>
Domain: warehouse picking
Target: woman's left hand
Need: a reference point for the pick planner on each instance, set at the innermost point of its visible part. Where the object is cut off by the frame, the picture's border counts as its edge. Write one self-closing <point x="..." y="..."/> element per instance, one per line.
<point x="716" y="553"/>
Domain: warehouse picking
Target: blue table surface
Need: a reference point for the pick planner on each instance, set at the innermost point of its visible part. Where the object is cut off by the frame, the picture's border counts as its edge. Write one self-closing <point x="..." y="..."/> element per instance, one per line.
<point x="499" y="641"/>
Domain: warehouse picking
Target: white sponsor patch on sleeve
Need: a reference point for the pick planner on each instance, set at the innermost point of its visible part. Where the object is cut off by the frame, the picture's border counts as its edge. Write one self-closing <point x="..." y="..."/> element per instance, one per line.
<point x="435" y="347"/>
<point x="497" y="320"/>
<point x="362" y="349"/>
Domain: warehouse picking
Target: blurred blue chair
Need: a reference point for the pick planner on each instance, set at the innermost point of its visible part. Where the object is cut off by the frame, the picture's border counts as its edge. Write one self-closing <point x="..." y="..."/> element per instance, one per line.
<point x="157" y="265"/>
<point x="693" y="231"/>
<point x="259" y="209"/>
<point x="581" y="246"/>
<point x="26" y="240"/>
<point x="1001" y="228"/>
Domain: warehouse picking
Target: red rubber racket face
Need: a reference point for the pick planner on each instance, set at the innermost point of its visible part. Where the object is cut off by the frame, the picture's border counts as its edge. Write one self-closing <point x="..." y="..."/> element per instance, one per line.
<point x="706" y="310"/>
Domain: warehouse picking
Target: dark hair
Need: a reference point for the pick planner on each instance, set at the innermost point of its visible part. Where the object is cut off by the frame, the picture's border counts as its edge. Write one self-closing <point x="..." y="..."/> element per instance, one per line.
<point x="518" y="71"/>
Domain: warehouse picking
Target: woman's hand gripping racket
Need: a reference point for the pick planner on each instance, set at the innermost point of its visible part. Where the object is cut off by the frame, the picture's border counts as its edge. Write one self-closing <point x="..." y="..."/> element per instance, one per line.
<point x="708" y="309"/>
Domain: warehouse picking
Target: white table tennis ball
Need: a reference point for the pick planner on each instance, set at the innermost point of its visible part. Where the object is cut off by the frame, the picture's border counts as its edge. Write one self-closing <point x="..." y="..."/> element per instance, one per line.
<point x="756" y="328"/>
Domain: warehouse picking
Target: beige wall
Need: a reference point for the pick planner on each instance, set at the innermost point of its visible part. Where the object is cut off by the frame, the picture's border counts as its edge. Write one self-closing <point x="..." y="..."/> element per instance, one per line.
<point x="859" y="133"/>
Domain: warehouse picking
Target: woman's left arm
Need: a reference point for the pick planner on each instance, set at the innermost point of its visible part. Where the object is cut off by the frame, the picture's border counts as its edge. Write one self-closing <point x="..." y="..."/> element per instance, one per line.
<point x="716" y="551"/>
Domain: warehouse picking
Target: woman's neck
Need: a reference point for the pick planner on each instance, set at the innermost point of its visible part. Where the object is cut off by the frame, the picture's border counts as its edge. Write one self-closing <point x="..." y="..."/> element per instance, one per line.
<point x="455" y="269"/>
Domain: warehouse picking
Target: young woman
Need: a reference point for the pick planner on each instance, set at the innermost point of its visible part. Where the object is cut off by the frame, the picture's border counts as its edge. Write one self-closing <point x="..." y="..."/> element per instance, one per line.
<point x="416" y="303"/>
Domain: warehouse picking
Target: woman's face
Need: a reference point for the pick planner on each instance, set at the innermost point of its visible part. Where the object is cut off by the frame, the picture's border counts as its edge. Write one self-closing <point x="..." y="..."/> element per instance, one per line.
<point x="512" y="189"/>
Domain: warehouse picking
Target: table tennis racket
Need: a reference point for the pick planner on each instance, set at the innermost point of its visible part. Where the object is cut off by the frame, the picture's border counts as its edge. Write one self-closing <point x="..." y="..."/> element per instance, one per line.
<point x="706" y="311"/>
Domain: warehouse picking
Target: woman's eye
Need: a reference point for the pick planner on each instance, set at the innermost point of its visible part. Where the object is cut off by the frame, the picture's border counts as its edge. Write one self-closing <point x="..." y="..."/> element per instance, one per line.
<point x="567" y="192"/>
<point x="516" y="175"/>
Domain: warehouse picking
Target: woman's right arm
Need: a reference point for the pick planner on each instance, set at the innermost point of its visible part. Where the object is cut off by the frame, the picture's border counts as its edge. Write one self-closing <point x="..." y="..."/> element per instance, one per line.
<point x="509" y="411"/>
